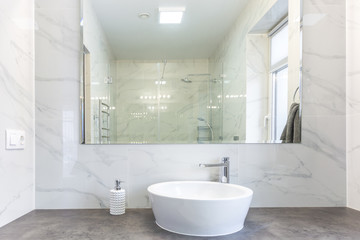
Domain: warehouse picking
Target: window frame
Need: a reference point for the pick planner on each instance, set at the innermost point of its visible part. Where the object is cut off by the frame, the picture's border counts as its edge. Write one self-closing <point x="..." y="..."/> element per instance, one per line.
<point x="274" y="70"/>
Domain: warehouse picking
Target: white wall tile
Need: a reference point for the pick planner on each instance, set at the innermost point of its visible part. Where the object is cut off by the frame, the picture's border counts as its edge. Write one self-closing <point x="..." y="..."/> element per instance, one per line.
<point x="353" y="103"/>
<point x="308" y="174"/>
<point x="16" y="107"/>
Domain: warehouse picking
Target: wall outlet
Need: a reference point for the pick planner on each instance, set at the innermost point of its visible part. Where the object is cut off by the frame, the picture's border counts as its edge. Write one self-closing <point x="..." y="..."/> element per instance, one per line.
<point x="15" y="139"/>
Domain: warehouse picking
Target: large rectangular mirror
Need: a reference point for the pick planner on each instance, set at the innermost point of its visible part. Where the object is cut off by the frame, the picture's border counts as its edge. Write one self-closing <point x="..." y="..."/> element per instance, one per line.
<point x="184" y="71"/>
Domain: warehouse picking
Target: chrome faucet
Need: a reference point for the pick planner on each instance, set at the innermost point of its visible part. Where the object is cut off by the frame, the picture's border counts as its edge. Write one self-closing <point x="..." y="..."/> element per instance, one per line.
<point x="225" y="162"/>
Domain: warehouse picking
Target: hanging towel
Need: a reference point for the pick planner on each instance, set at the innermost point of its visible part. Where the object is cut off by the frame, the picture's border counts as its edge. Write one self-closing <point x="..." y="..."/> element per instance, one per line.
<point x="292" y="129"/>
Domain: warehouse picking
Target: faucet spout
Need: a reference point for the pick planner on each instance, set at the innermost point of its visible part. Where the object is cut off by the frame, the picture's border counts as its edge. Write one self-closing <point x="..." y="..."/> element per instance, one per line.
<point x="225" y="163"/>
<point x="203" y="165"/>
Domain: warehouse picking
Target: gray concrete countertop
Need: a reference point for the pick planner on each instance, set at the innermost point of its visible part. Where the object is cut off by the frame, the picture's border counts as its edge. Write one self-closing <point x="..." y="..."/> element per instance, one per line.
<point x="139" y="224"/>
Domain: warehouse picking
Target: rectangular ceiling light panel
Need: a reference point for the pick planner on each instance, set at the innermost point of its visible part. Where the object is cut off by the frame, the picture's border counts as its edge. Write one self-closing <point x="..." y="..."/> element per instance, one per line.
<point x="171" y="15"/>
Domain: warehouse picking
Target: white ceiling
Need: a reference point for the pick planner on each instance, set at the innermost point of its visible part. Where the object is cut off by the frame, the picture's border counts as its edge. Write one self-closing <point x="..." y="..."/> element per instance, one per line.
<point x="205" y="23"/>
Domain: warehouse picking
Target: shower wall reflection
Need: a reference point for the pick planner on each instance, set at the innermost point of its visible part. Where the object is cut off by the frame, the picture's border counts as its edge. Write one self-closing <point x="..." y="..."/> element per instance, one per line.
<point x="168" y="101"/>
<point x="161" y="101"/>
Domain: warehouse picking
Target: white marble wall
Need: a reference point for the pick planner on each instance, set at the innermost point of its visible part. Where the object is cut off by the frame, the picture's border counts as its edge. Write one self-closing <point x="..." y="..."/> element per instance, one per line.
<point x="171" y="119"/>
<point x="294" y="57"/>
<point x="16" y="107"/>
<point x="103" y="66"/>
<point x="247" y="75"/>
<point x="231" y="55"/>
<point x="353" y="103"/>
<point x="70" y="175"/>
<point x="257" y="88"/>
<point x="57" y="72"/>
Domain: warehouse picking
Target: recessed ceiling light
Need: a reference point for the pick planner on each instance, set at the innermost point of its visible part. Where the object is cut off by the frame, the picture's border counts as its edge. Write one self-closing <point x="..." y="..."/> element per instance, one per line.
<point x="144" y="15"/>
<point x="171" y="15"/>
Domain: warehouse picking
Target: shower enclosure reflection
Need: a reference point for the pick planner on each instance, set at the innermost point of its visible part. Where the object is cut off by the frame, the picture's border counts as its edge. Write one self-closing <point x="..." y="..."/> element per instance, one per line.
<point x="155" y="104"/>
<point x="206" y="80"/>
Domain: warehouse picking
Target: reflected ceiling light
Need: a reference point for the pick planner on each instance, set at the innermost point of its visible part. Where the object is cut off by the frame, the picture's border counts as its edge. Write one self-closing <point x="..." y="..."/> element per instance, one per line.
<point x="234" y="96"/>
<point x="171" y="15"/>
<point x="144" y="15"/>
<point x="160" y="82"/>
<point x="155" y="97"/>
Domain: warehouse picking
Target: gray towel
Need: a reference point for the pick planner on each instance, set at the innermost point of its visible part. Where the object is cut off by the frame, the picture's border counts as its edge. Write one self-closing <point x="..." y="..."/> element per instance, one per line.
<point x="292" y="129"/>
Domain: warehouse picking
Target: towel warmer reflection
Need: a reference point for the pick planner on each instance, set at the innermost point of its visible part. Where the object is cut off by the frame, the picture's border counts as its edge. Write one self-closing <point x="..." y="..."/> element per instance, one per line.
<point x="104" y="122"/>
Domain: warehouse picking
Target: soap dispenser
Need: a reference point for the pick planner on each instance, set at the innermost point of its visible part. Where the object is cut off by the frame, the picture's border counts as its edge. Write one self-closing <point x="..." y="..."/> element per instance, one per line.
<point x="117" y="199"/>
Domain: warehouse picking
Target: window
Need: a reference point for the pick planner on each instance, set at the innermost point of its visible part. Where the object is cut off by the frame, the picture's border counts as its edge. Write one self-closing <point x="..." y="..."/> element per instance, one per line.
<point x="279" y="79"/>
<point x="280" y="101"/>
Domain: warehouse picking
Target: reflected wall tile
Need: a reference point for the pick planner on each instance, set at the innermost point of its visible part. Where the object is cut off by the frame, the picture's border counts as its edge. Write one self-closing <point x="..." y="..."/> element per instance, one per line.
<point x="234" y="119"/>
<point x="56" y="4"/>
<point x="139" y="104"/>
<point x="233" y="65"/>
<point x="257" y="87"/>
<point x="101" y="57"/>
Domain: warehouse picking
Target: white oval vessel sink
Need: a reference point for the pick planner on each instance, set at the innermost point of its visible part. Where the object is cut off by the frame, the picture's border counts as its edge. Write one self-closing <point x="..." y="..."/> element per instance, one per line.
<point x="200" y="208"/>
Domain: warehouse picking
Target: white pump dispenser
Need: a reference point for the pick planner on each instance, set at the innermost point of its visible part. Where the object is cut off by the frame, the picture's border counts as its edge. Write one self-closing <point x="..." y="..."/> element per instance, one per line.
<point x="117" y="199"/>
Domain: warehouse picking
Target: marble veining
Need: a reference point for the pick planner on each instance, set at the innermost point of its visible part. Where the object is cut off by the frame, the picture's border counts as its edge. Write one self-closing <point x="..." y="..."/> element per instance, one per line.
<point x="17" y="108"/>
<point x="145" y="127"/>
<point x="257" y="87"/>
<point x="308" y="174"/>
<point x="353" y="104"/>
<point x="73" y="176"/>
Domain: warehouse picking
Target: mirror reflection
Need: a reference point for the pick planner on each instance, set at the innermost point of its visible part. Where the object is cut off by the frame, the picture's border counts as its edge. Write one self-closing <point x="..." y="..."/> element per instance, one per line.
<point x="204" y="71"/>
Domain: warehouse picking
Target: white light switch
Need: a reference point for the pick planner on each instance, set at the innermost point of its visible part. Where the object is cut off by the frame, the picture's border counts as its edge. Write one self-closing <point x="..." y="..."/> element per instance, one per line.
<point x="15" y="139"/>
